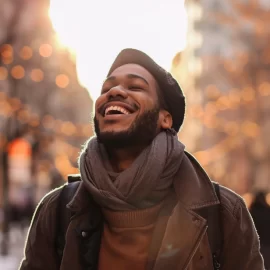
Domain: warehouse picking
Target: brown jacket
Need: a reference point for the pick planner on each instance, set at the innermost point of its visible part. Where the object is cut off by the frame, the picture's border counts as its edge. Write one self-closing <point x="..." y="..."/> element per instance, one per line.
<point x="185" y="242"/>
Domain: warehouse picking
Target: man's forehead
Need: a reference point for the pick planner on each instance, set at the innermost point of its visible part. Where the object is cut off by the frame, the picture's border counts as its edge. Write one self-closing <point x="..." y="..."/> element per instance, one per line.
<point x="133" y="69"/>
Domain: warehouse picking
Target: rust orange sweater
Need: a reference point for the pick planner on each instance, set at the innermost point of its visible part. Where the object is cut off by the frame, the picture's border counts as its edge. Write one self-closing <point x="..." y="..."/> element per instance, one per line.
<point x="126" y="238"/>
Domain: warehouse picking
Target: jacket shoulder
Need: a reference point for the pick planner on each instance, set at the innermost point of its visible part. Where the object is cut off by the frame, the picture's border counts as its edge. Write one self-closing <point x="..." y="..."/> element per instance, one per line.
<point x="51" y="198"/>
<point x="40" y="242"/>
<point x="47" y="208"/>
<point x="241" y="246"/>
<point x="231" y="201"/>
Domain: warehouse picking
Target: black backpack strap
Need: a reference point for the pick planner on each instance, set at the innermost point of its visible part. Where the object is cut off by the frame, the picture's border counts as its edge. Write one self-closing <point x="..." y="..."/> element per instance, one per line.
<point x="64" y="214"/>
<point x="74" y="178"/>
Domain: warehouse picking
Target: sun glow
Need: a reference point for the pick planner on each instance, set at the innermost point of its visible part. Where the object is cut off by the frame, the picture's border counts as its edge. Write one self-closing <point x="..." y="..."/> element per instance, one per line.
<point x="96" y="32"/>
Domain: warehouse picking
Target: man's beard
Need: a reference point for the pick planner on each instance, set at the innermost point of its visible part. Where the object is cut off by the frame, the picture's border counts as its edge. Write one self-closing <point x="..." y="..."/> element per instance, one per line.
<point x="142" y="131"/>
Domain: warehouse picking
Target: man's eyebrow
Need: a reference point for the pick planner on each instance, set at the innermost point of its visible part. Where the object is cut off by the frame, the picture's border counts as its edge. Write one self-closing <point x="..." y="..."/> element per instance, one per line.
<point x="130" y="76"/>
<point x="134" y="76"/>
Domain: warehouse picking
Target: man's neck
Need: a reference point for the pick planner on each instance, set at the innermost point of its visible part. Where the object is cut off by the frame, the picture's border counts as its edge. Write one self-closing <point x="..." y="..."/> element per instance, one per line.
<point x="121" y="159"/>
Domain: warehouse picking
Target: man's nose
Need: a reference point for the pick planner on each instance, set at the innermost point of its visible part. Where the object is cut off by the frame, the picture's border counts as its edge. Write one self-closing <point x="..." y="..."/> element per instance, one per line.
<point x="117" y="91"/>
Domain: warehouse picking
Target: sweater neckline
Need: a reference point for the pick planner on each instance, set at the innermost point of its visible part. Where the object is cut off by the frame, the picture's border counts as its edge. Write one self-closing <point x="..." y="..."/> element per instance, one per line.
<point x="132" y="218"/>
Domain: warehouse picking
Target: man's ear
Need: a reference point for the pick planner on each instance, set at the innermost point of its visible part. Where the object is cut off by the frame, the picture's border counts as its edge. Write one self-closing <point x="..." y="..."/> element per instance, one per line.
<point x="166" y="120"/>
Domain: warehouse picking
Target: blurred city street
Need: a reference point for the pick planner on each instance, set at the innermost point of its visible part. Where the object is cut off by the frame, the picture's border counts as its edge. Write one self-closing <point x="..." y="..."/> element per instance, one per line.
<point x="54" y="57"/>
<point x="17" y="239"/>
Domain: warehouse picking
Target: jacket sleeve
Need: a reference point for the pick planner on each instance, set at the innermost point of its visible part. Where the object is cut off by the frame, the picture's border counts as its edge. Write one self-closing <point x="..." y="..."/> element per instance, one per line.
<point x="241" y="250"/>
<point x="40" y="249"/>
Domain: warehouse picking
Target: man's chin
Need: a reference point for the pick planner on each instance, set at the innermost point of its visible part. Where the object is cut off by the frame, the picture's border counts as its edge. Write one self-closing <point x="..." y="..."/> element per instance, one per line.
<point x="114" y="130"/>
<point x="115" y="139"/>
<point x="138" y="132"/>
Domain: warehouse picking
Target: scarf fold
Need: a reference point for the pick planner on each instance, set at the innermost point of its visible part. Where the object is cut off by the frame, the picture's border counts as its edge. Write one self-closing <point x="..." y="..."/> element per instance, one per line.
<point x="145" y="183"/>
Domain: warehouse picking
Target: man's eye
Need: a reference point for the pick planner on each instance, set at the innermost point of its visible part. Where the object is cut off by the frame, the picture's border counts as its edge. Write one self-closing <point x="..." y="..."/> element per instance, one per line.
<point x="135" y="87"/>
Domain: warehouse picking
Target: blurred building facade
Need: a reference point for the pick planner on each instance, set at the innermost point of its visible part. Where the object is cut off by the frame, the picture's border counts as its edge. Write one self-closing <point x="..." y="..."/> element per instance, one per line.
<point x="41" y="100"/>
<point x="225" y="73"/>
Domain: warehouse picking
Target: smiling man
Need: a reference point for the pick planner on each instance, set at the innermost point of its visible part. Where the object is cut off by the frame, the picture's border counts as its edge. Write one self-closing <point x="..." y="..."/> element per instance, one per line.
<point x="140" y="202"/>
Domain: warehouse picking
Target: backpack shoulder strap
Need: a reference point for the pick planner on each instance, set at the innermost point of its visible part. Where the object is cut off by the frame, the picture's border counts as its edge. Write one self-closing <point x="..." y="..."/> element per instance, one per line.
<point x="64" y="215"/>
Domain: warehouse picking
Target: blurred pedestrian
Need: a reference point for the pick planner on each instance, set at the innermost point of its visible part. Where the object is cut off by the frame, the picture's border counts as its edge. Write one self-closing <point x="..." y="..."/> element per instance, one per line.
<point x="142" y="201"/>
<point x="22" y="208"/>
<point x="260" y="212"/>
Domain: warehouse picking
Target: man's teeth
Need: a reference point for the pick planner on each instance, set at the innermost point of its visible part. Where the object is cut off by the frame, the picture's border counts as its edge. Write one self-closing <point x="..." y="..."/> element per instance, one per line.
<point x="116" y="108"/>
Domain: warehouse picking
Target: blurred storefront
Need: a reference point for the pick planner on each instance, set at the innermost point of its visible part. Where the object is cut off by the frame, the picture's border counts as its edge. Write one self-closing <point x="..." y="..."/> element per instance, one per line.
<point x="225" y="73"/>
<point x="45" y="113"/>
<point x="21" y="187"/>
<point x="39" y="90"/>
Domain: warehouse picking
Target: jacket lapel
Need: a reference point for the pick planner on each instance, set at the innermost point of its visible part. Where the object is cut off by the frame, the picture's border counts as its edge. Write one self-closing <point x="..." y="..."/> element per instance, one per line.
<point x="186" y="228"/>
<point x="183" y="234"/>
<point x="193" y="186"/>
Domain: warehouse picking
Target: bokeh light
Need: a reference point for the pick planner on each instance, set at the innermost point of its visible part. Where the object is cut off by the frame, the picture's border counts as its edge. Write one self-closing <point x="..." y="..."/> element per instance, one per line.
<point x="26" y="53"/>
<point x="6" y="54"/>
<point x="45" y="50"/>
<point x="62" y="80"/>
<point x="18" y="72"/>
<point x="37" y="75"/>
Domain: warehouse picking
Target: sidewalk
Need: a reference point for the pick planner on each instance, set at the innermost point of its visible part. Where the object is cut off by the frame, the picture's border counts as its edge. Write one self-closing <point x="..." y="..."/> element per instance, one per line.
<point x="12" y="261"/>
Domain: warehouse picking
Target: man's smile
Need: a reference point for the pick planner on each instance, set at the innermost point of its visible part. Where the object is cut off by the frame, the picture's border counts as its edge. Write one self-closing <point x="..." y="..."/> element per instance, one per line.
<point x="114" y="110"/>
<point x="117" y="110"/>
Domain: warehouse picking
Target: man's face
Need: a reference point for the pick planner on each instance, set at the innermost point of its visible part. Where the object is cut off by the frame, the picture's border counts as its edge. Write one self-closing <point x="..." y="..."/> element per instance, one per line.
<point x="127" y="111"/>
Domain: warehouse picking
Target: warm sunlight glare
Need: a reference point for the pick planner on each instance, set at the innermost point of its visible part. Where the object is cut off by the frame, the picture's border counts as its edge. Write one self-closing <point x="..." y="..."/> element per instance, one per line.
<point x="97" y="30"/>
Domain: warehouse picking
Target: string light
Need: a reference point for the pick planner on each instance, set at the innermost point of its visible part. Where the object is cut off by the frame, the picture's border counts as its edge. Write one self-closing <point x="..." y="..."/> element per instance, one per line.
<point x="6" y="54"/>
<point x="37" y="75"/>
<point x="62" y="80"/>
<point x="26" y="53"/>
<point x="241" y="111"/>
<point x="17" y="72"/>
<point x="45" y="50"/>
<point x="235" y="131"/>
<point x="61" y="129"/>
<point x="24" y="115"/>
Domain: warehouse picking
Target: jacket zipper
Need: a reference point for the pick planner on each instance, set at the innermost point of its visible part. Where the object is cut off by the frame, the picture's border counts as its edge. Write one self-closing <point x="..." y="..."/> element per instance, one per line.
<point x="196" y="247"/>
<point x="216" y="263"/>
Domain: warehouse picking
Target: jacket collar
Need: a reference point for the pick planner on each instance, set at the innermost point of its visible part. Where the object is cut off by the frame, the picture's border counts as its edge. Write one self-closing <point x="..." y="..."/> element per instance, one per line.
<point x="192" y="186"/>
